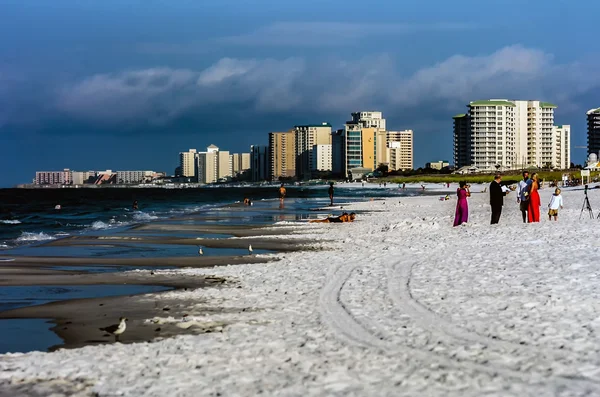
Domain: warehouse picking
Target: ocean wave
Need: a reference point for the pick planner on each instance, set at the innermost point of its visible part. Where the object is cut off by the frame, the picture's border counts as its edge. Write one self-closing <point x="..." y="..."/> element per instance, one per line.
<point x="99" y="225"/>
<point x="10" y="221"/>
<point x="143" y="217"/>
<point x="29" y="236"/>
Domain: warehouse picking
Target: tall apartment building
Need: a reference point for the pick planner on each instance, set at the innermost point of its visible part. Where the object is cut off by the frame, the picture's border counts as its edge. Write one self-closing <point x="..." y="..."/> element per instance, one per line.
<point x="561" y="153"/>
<point x="462" y="140"/>
<point x="259" y="163"/>
<point x="593" y="122"/>
<point x="213" y="165"/>
<point x="373" y="119"/>
<point x="282" y="155"/>
<point x="63" y="177"/>
<point x="399" y="149"/>
<point x="322" y="158"/>
<point x="505" y="134"/>
<point x="308" y="136"/>
<point x="240" y="163"/>
<point x="187" y="163"/>
<point x="360" y="147"/>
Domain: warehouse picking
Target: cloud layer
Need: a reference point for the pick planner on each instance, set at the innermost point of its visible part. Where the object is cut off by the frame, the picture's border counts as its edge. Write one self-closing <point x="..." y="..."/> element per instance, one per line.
<point x="268" y="86"/>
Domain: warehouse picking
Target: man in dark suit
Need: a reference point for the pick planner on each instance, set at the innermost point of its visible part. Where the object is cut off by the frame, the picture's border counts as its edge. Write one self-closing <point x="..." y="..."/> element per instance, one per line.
<point x="496" y="198"/>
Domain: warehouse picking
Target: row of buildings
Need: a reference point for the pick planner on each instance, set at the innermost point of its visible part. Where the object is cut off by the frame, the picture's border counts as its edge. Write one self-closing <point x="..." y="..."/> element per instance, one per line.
<point x="502" y="134"/>
<point x="69" y="177"/>
<point x="316" y="150"/>
<point x="212" y="166"/>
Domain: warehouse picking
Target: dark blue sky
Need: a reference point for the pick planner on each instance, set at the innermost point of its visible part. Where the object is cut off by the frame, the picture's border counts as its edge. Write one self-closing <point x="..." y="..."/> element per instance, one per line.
<point x="127" y="84"/>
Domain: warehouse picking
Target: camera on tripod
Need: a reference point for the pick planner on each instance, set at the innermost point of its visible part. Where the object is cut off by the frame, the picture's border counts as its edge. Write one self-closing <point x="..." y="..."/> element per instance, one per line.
<point x="586" y="204"/>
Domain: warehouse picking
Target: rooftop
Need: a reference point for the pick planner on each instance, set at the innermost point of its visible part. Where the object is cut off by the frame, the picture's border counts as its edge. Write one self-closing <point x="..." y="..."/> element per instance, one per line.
<point x="547" y="105"/>
<point x="597" y="110"/>
<point x="458" y="116"/>
<point x="314" y="125"/>
<point x="492" y="102"/>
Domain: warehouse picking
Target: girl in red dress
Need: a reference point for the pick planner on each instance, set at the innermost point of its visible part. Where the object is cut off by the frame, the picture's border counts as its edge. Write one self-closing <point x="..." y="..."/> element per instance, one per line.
<point x="533" y="212"/>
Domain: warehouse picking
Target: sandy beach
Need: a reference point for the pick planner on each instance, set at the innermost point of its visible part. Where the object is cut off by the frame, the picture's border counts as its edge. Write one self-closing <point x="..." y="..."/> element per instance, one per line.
<point x="400" y="303"/>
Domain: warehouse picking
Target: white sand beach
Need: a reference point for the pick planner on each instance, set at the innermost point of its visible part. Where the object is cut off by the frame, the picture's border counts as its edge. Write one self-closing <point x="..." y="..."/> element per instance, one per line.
<point x="402" y="304"/>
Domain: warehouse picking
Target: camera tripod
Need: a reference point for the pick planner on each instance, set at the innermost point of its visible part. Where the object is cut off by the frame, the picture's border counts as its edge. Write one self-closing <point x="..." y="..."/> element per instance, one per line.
<point x="586" y="206"/>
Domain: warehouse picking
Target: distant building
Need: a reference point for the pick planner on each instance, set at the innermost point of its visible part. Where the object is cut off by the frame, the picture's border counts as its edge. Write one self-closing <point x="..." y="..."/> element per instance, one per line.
<point x="134" y="177"/>
<point x="593" y="131"/>
<point x="187" y="163"/>
<point x="282" y="155"/>
<point x="322" y="158"/>
<point x="107" y="177"/>
<point x="437" y="165"/>
<point x="400" y="150"/>
<point x="259" y="163"/>
<point x="213" y="165"/>
<point x="338" y="153"/>
<point x="240" y="163"/>
<point x="306" y="137"/>
<point x="63" y="177"/>
<point x="503" y="134"/>
<point x="374" y="119"/>
<point x="561" y="151"/>
<point x="360" y="147"/>
<point x="81" y="177"/>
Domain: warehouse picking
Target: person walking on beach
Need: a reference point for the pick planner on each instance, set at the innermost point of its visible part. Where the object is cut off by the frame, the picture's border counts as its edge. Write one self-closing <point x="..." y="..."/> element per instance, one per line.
<point x="331" y="193"/>
<point x="523" y="195"/>
<point x="462" y="207"/>
<point x="533" y="211"/>
<point x="556" y="203"/>
<point x="496" y="198"/>
<point x="282" y="193"/>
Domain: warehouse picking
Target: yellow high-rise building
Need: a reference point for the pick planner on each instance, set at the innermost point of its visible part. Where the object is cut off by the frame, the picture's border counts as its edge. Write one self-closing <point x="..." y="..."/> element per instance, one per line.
<point x="282" y="153"/>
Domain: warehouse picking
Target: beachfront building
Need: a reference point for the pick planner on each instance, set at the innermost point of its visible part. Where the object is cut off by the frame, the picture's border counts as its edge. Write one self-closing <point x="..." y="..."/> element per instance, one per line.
<point x="259" y="163"/>
<point x="562" y="147"/>
<point x="374" y="119"/>
<point x="338" y="152"/>
<point x="322" y="159"/>
<point x="306" y="137"/>
<point x="240" y="163"/>
<point x="81" y="177"/>
<point x="282" y="155"/>
<point x="187" y="163"/>
<point x="437" y="165"/>
<point x="214" y="165"/>
<point x="360" y="148"/>
<point x="399" y="149"/>
<point x="63" y="177"/>
<point x="503" y="134"/>
<point x="130" y="177"/>
<point x="593" y="130"/>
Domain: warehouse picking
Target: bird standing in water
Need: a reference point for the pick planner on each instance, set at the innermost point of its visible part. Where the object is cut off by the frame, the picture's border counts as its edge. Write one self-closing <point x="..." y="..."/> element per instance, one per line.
<point x="116" y="329"/>
<point x="250" y="250"/>
<point x="200" y="251"/>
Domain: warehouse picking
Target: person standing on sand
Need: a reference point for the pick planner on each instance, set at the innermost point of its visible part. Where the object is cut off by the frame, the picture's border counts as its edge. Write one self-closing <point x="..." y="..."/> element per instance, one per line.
<point x="496" y="198"/>
<point x="462" y="207"/>
<point x="556" y="203"/>
<point x="533" y="211"/>
<point x="523" y="195"/>
<point x="282" y="193"/>
<point x="331" y="193"/>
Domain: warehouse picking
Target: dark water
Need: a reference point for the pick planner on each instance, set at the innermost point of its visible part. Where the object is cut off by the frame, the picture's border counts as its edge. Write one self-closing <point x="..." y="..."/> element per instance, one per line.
<point x="28" y="216"/>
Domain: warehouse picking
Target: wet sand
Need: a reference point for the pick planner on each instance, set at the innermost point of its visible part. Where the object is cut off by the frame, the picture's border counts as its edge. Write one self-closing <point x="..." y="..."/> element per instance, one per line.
<point x="237" y="231"/>
<point x="77" y="321"/>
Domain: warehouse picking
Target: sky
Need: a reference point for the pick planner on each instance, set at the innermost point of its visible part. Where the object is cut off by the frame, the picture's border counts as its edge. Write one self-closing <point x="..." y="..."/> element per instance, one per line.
<point x="128" y="84"/>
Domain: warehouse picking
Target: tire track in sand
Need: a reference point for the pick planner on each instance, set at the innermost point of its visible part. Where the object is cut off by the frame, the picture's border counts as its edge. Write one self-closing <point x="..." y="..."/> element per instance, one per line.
<point x="347" y="328"/>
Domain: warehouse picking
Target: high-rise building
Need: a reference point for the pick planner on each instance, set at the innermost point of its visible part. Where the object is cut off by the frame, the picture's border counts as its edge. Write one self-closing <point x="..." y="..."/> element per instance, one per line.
<point x="240" y="163"/>
<point x="506" y="134"/>
<point x="360" y="147"/>
<point x="259" y="162"/>
<point x="593" y="122"/>
<point x="400" y="149"/>
<point x="369" y="119"/>
<point x="322" y="158"/>
<point x="81" y="177"/>
<point x="462" y="140"/>
<point x="213" y="165"/>
<point x="129" y="177"/>
<point x="308" y="136"/>
<point x="562" y="147"/>
<point x="338" y="153"/>
<point x="282" y="155"/>
<point x="187" y="163"/>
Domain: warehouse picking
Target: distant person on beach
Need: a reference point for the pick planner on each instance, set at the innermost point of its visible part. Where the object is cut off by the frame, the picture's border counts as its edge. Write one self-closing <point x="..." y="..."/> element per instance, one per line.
<point x="496" y="198"/>
<point x="331" y="193"/>
<point x="403" y="186"/>
<point x="345" y="217"/>
<point x="462" y="207"/>
<point x="556" y="203"/>
<point x="523" y="195"/>
<point x="423" y="187"/>
<point x="135" y="205"/>
<point x="533" y="211"/>
<point x="282" y="192"/>
<point x="246" y="201"/>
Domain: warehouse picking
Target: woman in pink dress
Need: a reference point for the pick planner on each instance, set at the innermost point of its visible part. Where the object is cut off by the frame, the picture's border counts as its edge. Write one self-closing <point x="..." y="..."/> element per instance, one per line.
<point x="533" y="212"/>
<point x="462" y="207"/>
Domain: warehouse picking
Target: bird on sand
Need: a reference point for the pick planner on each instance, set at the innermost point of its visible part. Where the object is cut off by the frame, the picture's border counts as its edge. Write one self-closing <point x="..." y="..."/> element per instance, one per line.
<point x="116" y="329"/>
<point x="250" y="249"/>
<point x="200" y="251"/>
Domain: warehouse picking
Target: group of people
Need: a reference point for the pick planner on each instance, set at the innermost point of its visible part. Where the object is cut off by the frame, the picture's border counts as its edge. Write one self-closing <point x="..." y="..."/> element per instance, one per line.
<point x="528" y="199"/>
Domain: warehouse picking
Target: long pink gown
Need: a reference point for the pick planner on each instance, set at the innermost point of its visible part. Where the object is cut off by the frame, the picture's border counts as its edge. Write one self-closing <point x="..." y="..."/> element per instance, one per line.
<point x="462" y="208"/>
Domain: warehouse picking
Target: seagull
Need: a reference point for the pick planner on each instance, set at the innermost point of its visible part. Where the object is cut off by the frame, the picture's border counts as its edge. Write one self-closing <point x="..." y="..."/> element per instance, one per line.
<point x="200" y="252"/>
<point x="116" y="329"/>
<point x="250" y="250"/>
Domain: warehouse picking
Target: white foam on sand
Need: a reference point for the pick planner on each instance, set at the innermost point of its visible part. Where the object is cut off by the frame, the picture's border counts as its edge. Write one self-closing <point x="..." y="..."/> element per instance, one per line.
<point x="401" y="304"/>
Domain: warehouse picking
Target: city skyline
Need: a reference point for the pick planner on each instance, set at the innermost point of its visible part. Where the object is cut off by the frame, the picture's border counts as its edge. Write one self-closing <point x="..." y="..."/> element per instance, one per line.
<point x="126" y="83"/>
